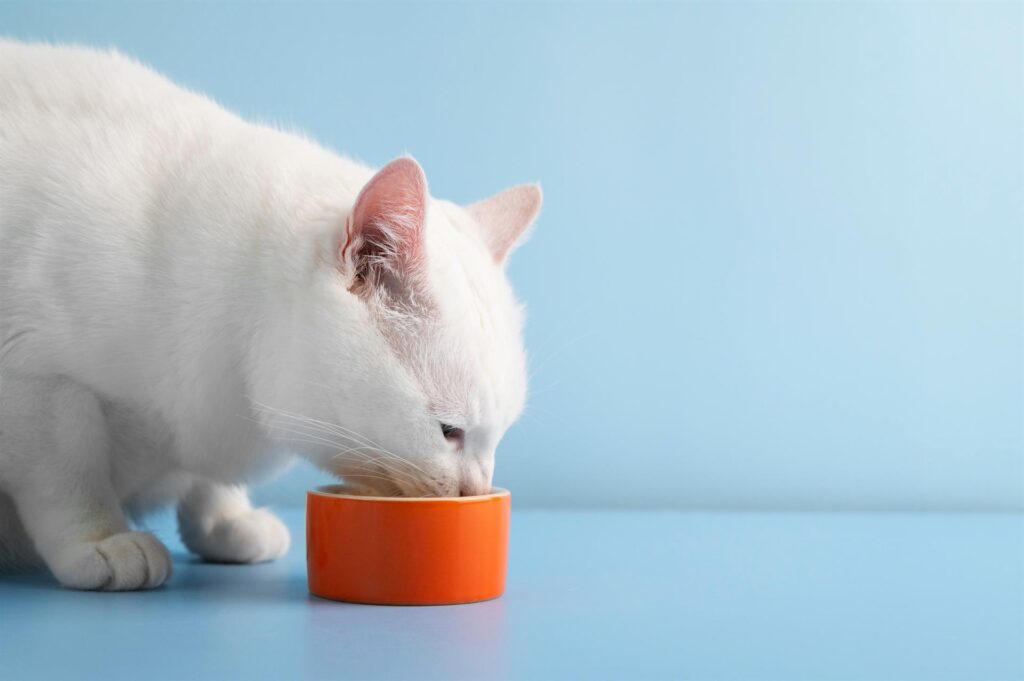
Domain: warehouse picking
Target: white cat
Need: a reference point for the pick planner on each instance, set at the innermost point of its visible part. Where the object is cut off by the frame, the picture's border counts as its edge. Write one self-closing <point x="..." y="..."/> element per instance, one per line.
<point x="185" y="296"/>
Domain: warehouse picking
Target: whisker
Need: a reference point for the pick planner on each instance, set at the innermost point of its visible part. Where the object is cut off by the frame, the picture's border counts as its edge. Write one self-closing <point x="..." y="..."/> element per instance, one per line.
<point x="316" y="431"/>
<point x="340" y="430"/>
<point x="559" y="350"/>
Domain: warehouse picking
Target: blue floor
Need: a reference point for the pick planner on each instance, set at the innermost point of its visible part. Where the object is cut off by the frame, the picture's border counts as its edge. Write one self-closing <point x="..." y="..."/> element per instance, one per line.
<point x="622" y="595"/>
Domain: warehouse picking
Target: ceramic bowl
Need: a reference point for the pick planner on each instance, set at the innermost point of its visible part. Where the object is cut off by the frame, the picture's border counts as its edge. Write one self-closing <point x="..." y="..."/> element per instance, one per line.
<point x="405" y="550"/>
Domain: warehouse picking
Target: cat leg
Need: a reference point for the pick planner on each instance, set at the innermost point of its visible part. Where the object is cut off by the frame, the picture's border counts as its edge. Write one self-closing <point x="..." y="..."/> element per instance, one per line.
<point x="219" y="523"/>
<point x="57" y="472"/>
<point x="16" y="551"/>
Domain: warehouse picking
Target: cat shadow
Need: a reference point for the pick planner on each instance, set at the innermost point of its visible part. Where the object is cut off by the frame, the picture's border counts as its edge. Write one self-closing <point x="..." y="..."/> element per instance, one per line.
<point x="215" y="582"/>
<point x="35" y="578"/>
<point x="221" y="582"/>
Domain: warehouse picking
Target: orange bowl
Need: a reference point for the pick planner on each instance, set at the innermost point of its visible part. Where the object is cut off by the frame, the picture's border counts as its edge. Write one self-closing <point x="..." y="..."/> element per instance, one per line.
<point x="406" y="551"/>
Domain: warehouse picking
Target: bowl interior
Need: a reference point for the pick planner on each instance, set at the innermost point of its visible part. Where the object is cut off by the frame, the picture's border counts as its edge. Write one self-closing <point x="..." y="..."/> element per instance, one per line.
<point x="347" y="492"/>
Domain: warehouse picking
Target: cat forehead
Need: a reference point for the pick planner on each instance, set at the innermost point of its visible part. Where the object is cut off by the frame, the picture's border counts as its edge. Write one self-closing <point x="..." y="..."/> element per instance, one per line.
<point x="466" y="281"/>
<point x="450" y="225"/>
<point x="466" y="351"/>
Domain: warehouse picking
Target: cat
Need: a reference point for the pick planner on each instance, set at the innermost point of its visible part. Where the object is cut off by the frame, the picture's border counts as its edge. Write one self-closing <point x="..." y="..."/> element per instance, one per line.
<point x="187" y="300"/>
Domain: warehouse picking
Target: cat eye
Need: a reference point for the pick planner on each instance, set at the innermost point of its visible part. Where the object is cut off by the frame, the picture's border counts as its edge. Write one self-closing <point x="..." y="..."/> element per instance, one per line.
<point x="452" y="434"/>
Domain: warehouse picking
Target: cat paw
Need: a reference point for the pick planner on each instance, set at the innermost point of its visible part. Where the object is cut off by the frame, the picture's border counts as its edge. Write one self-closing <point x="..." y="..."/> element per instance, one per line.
<point x="254" y="537"/>
<point x="123" y="562"/>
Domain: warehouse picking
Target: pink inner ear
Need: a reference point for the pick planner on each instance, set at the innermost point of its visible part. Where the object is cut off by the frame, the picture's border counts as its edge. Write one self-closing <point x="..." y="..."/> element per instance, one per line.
<point x="388" y="217"/>
<point x="504" y="217"/>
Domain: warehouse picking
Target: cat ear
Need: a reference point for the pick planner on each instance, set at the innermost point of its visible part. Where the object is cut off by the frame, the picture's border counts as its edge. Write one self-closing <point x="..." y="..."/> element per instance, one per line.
<point x="386" y="224"/>
<point x="504" y="217"/>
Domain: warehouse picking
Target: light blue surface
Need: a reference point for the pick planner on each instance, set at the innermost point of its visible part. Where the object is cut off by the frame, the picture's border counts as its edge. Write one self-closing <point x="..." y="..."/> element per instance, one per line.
<point x="617" y="595"/>
<point x="780" y="263"/>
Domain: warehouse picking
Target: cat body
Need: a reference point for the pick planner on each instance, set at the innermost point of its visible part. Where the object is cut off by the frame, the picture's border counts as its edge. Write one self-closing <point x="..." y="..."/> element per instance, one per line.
<point x="185" y="297"/>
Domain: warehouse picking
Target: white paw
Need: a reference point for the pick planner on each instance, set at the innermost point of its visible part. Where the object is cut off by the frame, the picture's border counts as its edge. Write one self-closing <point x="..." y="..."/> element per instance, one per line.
<point x="122" y="562"/>
<point x="253" y="537"/>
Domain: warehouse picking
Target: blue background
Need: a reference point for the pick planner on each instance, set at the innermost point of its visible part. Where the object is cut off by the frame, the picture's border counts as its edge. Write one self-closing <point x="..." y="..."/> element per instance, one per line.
<point x="780" y="260"/>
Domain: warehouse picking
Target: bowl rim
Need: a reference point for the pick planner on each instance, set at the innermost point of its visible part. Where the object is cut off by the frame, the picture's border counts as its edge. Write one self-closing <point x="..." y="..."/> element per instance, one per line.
<point x="329" y="492"/>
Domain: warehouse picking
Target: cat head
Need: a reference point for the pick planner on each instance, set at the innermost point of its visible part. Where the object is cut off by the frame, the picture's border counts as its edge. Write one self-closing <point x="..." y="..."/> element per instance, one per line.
<point x="416" y="367"/>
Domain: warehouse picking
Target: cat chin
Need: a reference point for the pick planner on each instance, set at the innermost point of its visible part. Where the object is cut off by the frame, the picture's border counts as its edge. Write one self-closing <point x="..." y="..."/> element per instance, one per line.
<point x="364" y="490"/>
<point x="363" y="485"/>
<point x="383" y="485"/>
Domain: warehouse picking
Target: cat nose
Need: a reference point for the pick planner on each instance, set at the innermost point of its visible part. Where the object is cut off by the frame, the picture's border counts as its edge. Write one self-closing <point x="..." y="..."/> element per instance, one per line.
<point x="474" y="482"/>
<point x="475" y="475"/>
